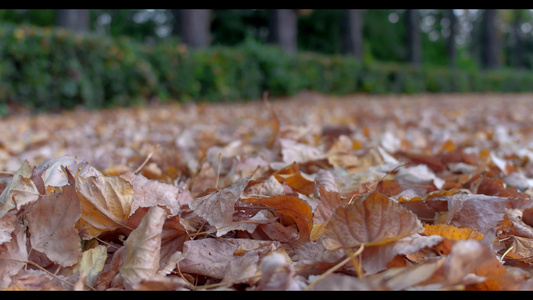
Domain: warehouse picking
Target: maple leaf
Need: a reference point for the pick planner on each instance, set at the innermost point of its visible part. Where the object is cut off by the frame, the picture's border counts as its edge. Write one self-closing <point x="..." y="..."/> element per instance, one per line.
<point x="375" y="220"/>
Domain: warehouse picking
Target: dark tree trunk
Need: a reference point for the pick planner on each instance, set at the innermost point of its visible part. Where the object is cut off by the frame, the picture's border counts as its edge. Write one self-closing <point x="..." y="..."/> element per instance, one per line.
<point x="353" y="33"/>
<point x="450" y="42"/>
<point x="490" y="44"/>
<point x="193" y="26"/>
<point x="519" y="44"/>
<point x="284" y="29"/>
<point x="413" y="37"/>
<point x="73" y="19"/>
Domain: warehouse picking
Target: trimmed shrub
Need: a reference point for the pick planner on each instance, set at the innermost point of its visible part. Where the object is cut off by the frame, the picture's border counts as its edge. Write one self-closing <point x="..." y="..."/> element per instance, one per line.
<point x="44" y="68"/>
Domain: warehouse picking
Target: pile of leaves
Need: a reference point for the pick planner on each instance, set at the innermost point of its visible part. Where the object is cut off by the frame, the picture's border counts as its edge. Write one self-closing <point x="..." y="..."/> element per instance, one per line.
<point x="311" y="193"/>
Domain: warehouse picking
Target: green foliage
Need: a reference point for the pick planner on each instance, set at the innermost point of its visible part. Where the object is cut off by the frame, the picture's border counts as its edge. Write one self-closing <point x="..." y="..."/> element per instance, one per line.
<point x="44" y="69"/>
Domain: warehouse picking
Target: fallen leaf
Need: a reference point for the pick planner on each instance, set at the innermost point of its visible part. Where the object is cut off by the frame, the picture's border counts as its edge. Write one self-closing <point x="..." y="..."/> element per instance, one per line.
<point x="452" y="232"/>
<point x="51" y="223"/>
<point x="142" y="255"/>
<point x="148" y="193"/>
<point x="293" y="207"/>
<point x="20" y="191"/>
<point x="218" y="208"/>
<point x="105" y="204"/>
<point x="13" y="255"/>
<point x="91" y="264"/>
<point x="212" y="257"/>
<point x="375" y="220"/>
<point x="376" y="258"/>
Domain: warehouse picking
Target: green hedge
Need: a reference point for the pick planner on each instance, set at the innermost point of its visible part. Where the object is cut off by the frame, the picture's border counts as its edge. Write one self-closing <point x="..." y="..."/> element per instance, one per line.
<point x="45" y="68"/>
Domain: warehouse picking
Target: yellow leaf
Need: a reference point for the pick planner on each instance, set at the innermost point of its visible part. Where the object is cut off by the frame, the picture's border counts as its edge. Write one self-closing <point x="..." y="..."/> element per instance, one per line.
<point x="91" y="263"/>
<point x="452" y="232"/>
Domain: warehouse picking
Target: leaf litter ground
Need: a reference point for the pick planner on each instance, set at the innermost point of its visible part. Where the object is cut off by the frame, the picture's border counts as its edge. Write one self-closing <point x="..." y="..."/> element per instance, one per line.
<point x="308" y="193"/>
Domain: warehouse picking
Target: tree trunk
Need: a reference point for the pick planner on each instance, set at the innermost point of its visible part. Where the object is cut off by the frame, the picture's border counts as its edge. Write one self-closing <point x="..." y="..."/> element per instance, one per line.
<point x="450" y="42"/>
<point x="353" y="33"/>
<point x="518" y="61"/>
<point x="490" y="44"/>
<point x="413" y="37"/>
<point x="73" y="19"/>
<point x="284" y="29"/>
<point x="193" y="26"/>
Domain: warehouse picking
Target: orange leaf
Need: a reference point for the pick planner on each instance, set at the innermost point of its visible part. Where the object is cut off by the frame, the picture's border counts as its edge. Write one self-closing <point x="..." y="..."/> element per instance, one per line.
<point x="374" y="221"/>
<point x="298" y="183"/>
<point x="452" y="232"/>
<point x="295" y="208"/>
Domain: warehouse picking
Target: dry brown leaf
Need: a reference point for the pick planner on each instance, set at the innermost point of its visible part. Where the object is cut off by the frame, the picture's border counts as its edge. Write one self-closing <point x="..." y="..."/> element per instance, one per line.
<point x="20" y="191"/>
<point x="51" y="223"/>
<point x="327" y="180"/>
<point x="479" y="212"/>
<point x="329" y="201"/>
<point x="213" y="257"/>
<point x="142" y="255"/>
<point x="375" y="220"/>
<point x="376" y="258"/>
<point x="105" y="204"/>
<point x="13" y="255"/>
<point x="277" y="274"/>
<point x="8" y="223"/>
<point x="293" y="207"/>
<point x="148" y="193"/>
<point x="218" y="208"/>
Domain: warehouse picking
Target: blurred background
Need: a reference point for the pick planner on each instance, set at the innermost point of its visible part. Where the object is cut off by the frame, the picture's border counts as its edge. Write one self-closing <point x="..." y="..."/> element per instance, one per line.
<point x="62" y="58"/>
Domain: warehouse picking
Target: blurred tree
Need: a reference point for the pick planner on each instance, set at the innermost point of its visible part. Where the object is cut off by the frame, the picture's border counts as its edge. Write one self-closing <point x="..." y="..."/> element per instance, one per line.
<point x="490" y="39"/>
<point x="193" y="26"/>
<point x="73" y="19"/>
<point x="516" y="40"/>
<point x="413" y="42"/>
<point x="319" y="30"/>
<point x="232" y="26"/>
<point x="284" y="29"/>
<point x="383" y="35"/>
<point x="451" y="50"/>
<point x="138" y="24"/>
<point x="353" y="32"/>
<point x="38" y="17"/>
